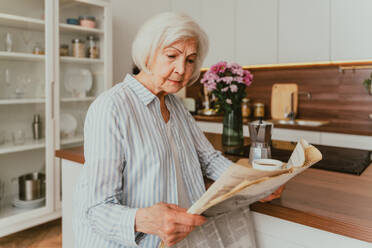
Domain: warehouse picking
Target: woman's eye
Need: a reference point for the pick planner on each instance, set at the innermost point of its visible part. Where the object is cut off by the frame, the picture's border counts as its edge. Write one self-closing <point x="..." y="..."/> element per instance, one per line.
<point x="171" y="56"/>
<point x="190" y="61"/>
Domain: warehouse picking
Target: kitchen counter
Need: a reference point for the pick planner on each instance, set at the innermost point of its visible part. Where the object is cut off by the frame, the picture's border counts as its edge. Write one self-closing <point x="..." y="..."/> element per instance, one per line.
<point x="345" y="128"/>
<point x="330" y="201"/>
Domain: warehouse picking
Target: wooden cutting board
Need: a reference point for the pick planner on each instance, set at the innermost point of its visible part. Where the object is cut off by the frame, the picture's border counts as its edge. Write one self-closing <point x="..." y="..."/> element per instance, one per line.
<point x="281" y="100"/>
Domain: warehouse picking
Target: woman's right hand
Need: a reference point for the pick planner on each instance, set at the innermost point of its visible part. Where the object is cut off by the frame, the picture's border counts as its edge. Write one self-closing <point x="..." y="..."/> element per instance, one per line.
<point x="168" y="221"/>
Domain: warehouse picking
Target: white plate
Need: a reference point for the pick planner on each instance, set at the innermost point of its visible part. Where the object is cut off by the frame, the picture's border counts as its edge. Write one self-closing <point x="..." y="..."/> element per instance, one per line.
<point x="28" y="204"/>
<point x="78" y="81"/>
<point x="68" y="125"/>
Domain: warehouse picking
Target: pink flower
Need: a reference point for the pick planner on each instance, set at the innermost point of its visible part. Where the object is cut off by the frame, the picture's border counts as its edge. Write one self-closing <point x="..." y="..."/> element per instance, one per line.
<point x="220" y="67"/>
<point x="233" y="88"/>
<point x="247" y="78"/>
<point x="228" y="101"/>
<point x="239" y="79"/>
<point x="225" y="89"/>
<point x="227" y="79"/>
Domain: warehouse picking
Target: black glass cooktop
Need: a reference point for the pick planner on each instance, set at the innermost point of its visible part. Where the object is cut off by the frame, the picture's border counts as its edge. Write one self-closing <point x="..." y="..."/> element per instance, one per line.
<point x="346" y="160"/>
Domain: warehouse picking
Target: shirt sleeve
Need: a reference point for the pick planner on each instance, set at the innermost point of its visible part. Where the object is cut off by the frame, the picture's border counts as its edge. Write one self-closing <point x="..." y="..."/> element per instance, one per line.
<point x="213" y="163"/>
<point x="103" y="168"/>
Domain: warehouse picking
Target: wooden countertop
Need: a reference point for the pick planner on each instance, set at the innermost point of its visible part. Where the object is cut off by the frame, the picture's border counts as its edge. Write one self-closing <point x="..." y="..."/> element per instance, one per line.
<point x="346" y="128"/>
<point x="330" y="201"/>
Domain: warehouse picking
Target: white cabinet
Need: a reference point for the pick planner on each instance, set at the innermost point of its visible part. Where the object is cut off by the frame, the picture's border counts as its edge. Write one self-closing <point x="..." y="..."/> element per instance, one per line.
<point x="314" y="137"/>
<point x="295" y="135"/>
<point x="272" y="232"/>
<point x="70" y="173"/>
<point x="217" y="19"/>
<point x="256" y="32"/>
<point x="35" y="80"/>
<point x="351" y="30"/>
<point x="304" y="30"/>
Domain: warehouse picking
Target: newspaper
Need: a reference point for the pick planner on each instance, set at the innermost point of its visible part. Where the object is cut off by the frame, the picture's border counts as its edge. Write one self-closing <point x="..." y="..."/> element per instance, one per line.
<point x="226" y="202"/>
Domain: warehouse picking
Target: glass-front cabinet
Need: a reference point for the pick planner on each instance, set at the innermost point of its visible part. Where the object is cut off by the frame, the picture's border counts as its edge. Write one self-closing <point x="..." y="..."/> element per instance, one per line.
<point x="55" y="58"/>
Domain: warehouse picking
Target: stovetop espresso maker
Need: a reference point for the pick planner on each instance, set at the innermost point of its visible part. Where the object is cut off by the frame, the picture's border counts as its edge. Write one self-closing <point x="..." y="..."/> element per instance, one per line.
<point x="260" y="136"/>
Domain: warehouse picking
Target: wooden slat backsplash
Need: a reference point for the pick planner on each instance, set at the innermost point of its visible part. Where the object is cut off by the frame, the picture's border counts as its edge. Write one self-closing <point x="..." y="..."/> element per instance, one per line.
<point x="337" y="96"/>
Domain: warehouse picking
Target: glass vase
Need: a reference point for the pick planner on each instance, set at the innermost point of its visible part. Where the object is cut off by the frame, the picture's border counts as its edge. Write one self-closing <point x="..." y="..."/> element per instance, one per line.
<point x="232" y="134"/>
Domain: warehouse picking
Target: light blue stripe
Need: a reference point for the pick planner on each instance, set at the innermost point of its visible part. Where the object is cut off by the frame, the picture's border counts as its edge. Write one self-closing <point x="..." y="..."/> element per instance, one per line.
<point x="129" y="164"/>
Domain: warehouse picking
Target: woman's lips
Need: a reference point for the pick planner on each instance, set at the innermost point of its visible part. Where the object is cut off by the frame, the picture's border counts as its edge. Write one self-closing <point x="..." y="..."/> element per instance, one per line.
<point x="174" y="81"/>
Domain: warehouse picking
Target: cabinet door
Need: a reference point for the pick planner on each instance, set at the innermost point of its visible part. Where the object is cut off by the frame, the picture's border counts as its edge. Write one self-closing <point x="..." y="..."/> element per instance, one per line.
<point x="256" y="32"/>
<point x="351" y="33"/>
<point x="26" y="130"/>
<point x="83" y="71"/>
<point x="304" y="30"/>
<point x="217" y="19"/>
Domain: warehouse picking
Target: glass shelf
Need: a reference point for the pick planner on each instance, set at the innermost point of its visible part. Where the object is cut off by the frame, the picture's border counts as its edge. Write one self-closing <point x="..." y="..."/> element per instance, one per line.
<point x="14" y="21"/>
<point x="21" y="56"/>
<point x="68" y="28"/>
<point x="69" y="59"/>
<point x="31" y="144"/>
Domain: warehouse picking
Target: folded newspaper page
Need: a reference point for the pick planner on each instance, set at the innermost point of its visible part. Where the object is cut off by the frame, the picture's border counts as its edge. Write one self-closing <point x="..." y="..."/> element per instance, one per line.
<point x="226" y="202"/>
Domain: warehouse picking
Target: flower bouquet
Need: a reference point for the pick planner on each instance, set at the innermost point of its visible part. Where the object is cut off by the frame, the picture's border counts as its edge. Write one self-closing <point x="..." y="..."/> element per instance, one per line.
<point x="227" y="82"/>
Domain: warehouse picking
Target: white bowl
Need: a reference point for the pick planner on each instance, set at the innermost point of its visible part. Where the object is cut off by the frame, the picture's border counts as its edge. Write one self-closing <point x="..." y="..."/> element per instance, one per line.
<point x="267" y="164"/>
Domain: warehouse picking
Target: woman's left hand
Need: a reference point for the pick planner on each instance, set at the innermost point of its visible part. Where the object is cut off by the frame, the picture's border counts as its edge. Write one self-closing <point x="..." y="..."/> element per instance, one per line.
<point x="274" y="195"/>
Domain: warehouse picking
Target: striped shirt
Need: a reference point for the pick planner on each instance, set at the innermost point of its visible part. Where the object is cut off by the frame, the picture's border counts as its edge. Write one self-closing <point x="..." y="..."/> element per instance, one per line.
<point x="129" y="164"/>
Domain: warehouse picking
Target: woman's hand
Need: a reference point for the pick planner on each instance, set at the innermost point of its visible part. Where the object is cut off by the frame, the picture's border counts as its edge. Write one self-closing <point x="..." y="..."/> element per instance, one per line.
<point x="274" y="195"/>
<point x="168" y="221"/>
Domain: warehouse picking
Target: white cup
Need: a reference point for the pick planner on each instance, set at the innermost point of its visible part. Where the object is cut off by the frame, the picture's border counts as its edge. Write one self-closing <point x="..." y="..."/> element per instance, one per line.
<point x="267" y="164"/>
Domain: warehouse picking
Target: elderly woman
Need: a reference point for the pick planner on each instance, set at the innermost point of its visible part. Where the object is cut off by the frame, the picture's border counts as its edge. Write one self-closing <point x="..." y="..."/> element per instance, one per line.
<point x="145" y="156"/>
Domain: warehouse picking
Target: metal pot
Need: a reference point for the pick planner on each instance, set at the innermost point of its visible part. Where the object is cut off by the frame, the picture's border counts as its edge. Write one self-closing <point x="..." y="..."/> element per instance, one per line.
<point x="31" y="186"/>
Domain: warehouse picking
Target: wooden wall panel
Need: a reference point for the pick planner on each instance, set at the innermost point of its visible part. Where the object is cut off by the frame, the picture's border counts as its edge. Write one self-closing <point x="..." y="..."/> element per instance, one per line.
<point x="336" y="96"/>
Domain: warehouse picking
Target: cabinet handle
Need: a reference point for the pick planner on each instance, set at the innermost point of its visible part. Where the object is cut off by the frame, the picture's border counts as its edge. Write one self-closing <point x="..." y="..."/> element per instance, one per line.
<point x="52" y="95"/>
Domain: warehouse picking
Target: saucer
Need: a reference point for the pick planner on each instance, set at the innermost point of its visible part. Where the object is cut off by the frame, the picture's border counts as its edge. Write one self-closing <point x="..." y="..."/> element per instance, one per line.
<point x="28" y="204"/>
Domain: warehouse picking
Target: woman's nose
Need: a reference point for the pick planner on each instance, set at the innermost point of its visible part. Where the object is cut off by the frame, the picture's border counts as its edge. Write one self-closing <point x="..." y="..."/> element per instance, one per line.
<point x="180" y="67"/>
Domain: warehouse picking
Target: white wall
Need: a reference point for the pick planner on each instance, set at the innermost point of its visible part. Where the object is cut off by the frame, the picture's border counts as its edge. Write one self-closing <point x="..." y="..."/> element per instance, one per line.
<point x="128" y="16"/>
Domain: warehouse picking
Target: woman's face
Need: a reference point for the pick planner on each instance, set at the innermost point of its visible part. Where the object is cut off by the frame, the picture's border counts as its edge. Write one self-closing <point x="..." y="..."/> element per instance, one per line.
<point x="173" y="66"/>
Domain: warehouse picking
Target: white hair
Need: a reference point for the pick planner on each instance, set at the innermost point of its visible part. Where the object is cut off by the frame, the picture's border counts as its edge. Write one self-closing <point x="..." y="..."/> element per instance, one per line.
<point x="164" y="29"/>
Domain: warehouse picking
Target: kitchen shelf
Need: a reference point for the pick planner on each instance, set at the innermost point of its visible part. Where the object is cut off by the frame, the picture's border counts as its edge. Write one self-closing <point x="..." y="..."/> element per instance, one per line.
<point x="78" y="99"/>
<point x="8" y="211"/>
<point x="32" y="144"/>
<point x="21" y="101"/>
<point x="21" y="56"/>
<point x="69" y="59"/>
<point x="21" y="22"/>
<point x="29" y="144"/>
<point x="68" y="28"/>
<point x="42" y="100"/>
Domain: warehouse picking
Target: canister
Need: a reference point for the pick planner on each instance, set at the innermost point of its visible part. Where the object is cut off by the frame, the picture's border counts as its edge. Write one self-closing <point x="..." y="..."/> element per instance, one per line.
<point x="246" y="107"/>
<point x="259" y="110"/>
<point x="78" y="48"/>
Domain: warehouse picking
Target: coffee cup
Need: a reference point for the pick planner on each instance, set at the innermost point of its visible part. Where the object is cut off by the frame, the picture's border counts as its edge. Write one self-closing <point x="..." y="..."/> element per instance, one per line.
<point x="266" y="164"/>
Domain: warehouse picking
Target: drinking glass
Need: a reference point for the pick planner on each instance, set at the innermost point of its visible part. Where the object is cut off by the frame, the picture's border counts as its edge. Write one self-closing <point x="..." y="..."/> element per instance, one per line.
<point x="19" y="137"/>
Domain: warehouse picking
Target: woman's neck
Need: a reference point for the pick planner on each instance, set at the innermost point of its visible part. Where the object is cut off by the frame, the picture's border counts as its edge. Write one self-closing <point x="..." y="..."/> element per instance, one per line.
<point x="147" y="81"/>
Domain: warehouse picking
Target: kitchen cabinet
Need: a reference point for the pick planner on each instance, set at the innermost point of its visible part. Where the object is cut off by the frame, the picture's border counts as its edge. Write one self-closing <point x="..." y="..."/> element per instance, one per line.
<point x="304" y="31"/>
<point x="350" y="30"/>
<point x="34" y="79"/>
<point x="217" y="19"/>
<point x="272" y="232"/>
<point x="256" y="32"/>
<point x="313" y="137"/>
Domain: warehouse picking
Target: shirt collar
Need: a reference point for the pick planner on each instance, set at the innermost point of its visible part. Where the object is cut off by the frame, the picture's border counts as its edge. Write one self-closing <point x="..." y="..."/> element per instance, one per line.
<point x="141" y="91"/>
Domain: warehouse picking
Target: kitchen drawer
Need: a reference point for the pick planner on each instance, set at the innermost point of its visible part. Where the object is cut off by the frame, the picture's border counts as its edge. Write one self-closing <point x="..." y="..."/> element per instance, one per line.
<point x="346" y="140"/>
<point x="216" y="127"/>
<point x="295" y="135"/>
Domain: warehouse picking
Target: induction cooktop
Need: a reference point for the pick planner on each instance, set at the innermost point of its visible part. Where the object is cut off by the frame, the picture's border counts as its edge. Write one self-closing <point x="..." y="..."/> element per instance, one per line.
<point x="345" y="160"/>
